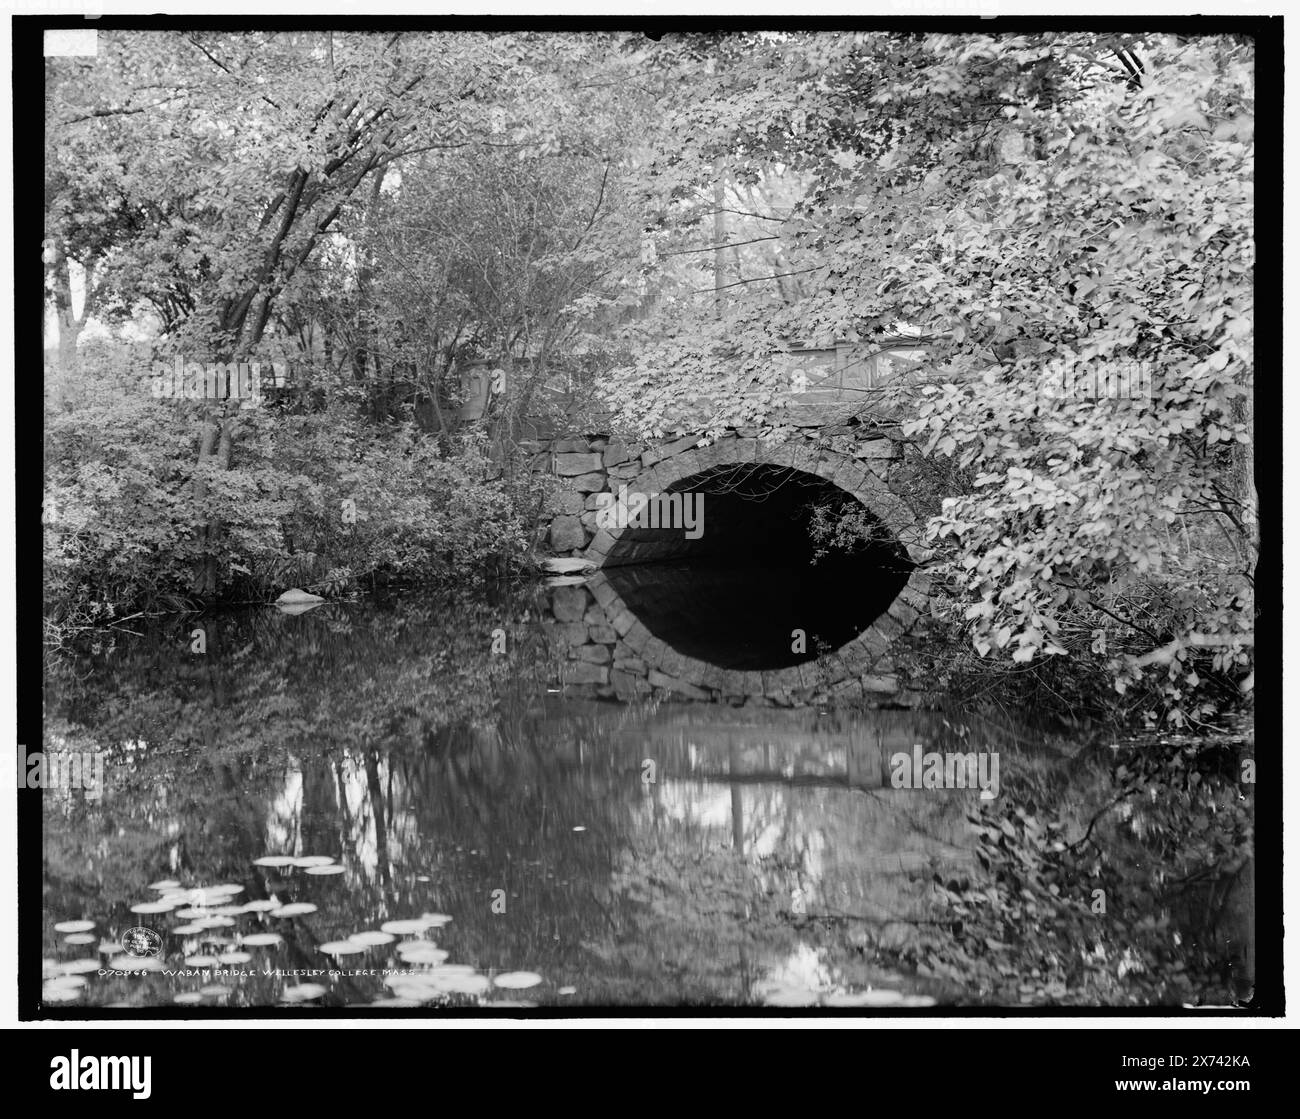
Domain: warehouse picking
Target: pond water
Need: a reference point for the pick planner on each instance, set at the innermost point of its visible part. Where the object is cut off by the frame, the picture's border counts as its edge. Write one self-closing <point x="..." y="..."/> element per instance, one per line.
<point x="404" y="804"/>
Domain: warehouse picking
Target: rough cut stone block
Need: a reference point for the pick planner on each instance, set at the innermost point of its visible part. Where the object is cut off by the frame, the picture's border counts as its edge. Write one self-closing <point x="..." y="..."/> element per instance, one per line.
<point x="655" y="649"/>
<point x="887" y="626"/>
<point x="881" y="684"/>
<point x="874" y="449"/>
<point x="903" y="613"/>
<point x="681" y="687"/>
<point x="589" y="483"/>
<point x="605" y="594"/>
<point x="570" y="465"/>
<point x="567" y="533"/>
<point x="732" y="682"/>
<point x="617" y="452"/>
<point x="572" y="634"/>
<point x="594" y="654"/>
<point x="580" y="672"/>
<point x="782" y="679"/>
<point x="602" y="632"/>
<point x="568" y="604"/>
<point x="913" y="597"/>
<point x="667" y="450"/>
<point x="564" y="501"/>
<point x="711" y="676"/>
<point x="569" y="446"/>
<point x="627" y="686"/>
<point x="622" y="619"/>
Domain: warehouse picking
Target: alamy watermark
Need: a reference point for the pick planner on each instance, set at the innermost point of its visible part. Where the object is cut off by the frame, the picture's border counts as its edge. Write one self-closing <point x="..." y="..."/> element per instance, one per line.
<point x="217" y="380"/>
<point x="651" y="510"/>
<point x="1126" y="379"/>
<point x="932" y="770"/>
<point x="62" y="769"/>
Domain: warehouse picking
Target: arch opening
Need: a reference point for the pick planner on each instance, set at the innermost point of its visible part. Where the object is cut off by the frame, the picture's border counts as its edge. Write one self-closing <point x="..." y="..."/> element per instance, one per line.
<point x="767" y="583"/>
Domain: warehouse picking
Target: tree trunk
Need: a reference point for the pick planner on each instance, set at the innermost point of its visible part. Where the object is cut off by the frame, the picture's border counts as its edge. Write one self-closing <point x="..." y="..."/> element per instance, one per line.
<point x="719" y="235"/>
<point x="69" y="324"/>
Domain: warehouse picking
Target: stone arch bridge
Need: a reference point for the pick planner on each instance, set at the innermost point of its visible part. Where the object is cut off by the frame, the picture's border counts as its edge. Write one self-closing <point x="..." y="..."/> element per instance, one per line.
<point x="640" y="609"/>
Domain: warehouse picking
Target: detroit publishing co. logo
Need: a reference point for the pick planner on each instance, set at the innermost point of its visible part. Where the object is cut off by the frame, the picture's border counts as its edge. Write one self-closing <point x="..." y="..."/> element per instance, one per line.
<point x="141" y="941"/>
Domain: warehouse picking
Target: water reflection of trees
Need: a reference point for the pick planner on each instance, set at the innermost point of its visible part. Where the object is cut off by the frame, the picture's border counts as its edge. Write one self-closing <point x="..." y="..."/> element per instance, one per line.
<point x="445" y="778"/>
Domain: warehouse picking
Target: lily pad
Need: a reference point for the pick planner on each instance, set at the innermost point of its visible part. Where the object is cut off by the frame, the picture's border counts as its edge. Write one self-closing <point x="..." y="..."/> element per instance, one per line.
<point x="865" y="998"/>
<point x="422" y="952"/>
<point x="294" y="909"/>
<point x="153" y="907"/>
<point x="74" y="926"/>
<point x="187" y="998"/>
<point x="275" y="860"/>
<point x="66" y="981"/>
<point x="417" y="992"/>
<point x="788" y="995"/>
<point x="262" y="940"/>
<point x="341" y="947"/>
<point x="164" y="884"/>
<point x="201" y="961"/>
<point x="517" y="980"/>
<point x="331" y="869"/>
<point x="404" y="927"/>
<point x="314" y="860"/>
<point x="466" y="984"/>
<point x="80" y="938"/>
<point x="431" y="978"/>
<point x="372" y="937"/>
<point x="303" y="992"/>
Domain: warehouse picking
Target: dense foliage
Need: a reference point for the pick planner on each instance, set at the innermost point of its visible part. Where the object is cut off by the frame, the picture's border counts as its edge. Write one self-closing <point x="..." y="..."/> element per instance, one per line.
<point x="318" y="500"/>
<point x="416" y="228"/>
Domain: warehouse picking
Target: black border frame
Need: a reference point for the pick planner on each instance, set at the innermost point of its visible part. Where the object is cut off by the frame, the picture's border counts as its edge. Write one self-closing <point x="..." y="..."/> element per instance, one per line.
<point x="28" y="75"/>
